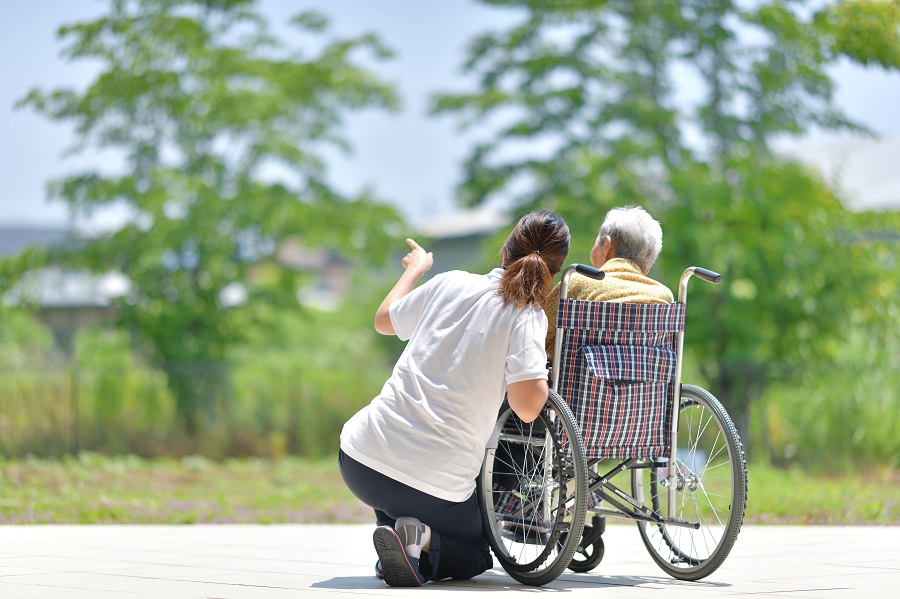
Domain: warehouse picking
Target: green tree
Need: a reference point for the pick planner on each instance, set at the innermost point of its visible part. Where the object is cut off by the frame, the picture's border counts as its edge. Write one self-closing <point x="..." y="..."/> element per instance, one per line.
<point x="23" y="340"/>
<point x="221" y="126"/>
<point x="676" y="105"/>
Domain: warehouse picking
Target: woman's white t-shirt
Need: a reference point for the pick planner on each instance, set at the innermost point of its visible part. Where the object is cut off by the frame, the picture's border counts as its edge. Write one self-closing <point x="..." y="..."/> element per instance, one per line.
<point x="429" y="425"/>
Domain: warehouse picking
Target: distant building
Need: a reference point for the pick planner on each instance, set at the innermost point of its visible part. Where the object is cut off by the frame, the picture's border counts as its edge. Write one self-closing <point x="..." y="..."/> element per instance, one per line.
<point x="459" y="240"/>
<point x="865" y="171"/>
<point x="64" y="301"/>
<point x="14" y="239"/>
<point x="67" y="301"/>
<point x="331" y="274"/>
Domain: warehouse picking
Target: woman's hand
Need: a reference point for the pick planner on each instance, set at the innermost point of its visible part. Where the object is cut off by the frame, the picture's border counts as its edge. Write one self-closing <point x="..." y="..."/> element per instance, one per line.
<point x="417" y="261"/>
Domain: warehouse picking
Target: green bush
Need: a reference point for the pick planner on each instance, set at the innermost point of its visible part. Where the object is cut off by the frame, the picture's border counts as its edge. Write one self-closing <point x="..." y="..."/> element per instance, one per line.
<point x="837" y="415"/>
<point x="22" y="339"/>
<point x="35" y="387"/>
<point x="124" y="406"/>
<point x="290" y="389"/>
<point x="293" y="391"/>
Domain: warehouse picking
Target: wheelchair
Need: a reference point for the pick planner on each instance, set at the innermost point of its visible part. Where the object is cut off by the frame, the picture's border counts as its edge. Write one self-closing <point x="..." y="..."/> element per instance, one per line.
<point x="616" y="408"/>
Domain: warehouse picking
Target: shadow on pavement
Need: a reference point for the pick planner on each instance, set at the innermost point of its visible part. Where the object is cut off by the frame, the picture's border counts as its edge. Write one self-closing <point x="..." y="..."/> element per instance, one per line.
<point x="497" y="580"/>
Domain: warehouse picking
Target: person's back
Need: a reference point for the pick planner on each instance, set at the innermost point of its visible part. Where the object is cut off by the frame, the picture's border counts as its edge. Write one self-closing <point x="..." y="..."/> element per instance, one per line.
<point x="627" y="245"/>
<point x="446" y="385"/>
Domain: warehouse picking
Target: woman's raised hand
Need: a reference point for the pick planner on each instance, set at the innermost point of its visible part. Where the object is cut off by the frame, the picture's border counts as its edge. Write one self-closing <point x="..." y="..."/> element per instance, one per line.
<point x="417" y="260"/>
<point x="416" y="263"/>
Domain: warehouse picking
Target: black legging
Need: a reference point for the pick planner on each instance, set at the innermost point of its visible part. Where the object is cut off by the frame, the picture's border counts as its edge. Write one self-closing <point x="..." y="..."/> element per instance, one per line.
<point x="458" y="550"/>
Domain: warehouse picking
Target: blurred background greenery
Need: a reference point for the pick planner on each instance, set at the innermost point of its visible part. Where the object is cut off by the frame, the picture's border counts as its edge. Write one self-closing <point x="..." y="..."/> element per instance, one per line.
<point x="578" y="106"/>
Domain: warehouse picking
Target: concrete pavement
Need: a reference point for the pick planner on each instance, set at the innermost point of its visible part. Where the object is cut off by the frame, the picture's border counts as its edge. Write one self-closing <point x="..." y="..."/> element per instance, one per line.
<point x="275" y="561"/>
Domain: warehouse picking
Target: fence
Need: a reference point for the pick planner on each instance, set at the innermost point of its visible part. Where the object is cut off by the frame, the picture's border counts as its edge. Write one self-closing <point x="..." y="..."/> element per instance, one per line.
<point x="62" y="409"/>
<point x="831" y="413"/>
<point x="39" y="412"/>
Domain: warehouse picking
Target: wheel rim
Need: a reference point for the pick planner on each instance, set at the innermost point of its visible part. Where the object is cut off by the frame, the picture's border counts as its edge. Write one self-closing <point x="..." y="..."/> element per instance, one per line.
<point x="706" y="487"/>
<point x="532" y="489"/>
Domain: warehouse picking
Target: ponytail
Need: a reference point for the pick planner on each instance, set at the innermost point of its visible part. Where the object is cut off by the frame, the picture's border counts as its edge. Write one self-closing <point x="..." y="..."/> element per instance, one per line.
<point x="532" y="255"/>
<point x="526" y="281"/>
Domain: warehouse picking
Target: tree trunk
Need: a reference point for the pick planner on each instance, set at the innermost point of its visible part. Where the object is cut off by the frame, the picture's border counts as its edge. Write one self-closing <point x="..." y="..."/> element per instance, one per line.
<point x="737" y="387"/>
<point x="201" y="391"/>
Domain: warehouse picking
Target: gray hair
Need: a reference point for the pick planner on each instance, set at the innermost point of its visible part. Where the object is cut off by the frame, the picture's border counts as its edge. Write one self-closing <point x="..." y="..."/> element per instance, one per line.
<point x="635" y="235"/>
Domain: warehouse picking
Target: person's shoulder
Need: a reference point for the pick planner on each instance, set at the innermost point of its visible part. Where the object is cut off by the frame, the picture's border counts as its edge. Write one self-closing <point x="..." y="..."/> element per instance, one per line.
<point x="465" y="274"/>
<point x="452" y="275"/>
<point x="552" y="296"/>
<point x="461" y="280"/>
<point x="449" y="274"/>
<point x="530" y="313"/>
<point x="665" y="292"/>
<point x="661" y="290"/>
<point x="580" y="285"/>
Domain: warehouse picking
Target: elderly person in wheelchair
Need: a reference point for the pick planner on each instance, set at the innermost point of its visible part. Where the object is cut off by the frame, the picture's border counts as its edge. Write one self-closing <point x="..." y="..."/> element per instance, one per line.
<point x="627" y="245"/>
<point x="620" y="435"/>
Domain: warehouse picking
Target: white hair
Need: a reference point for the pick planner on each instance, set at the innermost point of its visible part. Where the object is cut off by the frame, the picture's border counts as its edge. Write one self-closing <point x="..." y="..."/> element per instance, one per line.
<point x="635" y="235"/>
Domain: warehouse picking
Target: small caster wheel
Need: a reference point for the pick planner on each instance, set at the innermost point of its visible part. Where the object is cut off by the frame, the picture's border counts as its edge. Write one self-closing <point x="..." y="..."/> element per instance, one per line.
<point x="587" y="558"/>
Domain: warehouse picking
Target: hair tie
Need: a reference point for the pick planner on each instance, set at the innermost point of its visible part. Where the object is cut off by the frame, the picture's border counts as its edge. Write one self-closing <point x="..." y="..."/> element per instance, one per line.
<point x="538" y="252"/>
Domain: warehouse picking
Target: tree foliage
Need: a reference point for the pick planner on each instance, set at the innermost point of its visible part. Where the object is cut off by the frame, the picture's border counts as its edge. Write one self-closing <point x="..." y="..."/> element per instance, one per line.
<point x="221" y="127"/>
<point x="677" y="105"/>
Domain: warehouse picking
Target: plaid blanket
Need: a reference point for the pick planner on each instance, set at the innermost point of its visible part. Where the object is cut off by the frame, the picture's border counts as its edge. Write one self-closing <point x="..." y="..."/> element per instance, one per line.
<point x="617" y="371"/>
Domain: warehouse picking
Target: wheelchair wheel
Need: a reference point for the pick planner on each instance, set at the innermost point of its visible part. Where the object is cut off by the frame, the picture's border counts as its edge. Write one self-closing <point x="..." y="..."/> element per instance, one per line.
<point x="532" y="491"/>
<point x="711" y="490"/>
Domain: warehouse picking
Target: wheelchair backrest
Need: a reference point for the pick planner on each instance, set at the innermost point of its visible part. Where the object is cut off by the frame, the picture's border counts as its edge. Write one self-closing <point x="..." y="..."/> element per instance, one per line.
<point x="617" y="371"/>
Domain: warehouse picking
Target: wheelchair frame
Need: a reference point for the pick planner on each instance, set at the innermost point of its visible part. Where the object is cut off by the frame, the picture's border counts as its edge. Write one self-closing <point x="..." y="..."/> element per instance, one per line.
<point x="576" y="488"/>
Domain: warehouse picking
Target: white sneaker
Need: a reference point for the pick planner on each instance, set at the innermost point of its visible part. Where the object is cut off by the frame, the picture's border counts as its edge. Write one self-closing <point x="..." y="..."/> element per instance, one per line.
<point x="398" y="570"/>
<point x="413" y="534"/>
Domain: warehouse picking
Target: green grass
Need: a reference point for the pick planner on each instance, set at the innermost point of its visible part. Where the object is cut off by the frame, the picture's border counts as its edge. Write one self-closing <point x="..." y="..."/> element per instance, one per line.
<point x="795" y="496"/>
<point x="93" y="489"/>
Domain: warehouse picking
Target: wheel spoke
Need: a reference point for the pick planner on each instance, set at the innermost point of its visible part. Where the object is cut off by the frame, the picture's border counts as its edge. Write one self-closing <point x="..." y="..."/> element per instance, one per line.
<point x="535" y="543"/>
<point x="709" y="474"/>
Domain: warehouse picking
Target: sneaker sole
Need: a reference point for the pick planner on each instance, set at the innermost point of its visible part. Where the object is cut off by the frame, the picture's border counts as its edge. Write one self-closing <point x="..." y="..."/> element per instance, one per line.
<point x="398" y="572"/>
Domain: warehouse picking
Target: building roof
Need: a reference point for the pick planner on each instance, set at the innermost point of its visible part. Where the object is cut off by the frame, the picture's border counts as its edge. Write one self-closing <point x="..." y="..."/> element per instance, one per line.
<point x="865" y="171"/>
<point x="16" y="238"/>
<point x="55" y="287"/>
<point x="58" y="288"/>
<point x="465" y="223"/>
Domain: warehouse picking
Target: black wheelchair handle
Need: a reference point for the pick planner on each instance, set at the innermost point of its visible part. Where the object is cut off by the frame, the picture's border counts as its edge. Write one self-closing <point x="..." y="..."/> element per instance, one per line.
<point x="708" y="275"/>
<point x="590" y="271"/>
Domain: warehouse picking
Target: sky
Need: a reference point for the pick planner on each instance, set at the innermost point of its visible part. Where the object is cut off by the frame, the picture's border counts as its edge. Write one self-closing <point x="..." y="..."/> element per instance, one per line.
<point x="409" y="158"/>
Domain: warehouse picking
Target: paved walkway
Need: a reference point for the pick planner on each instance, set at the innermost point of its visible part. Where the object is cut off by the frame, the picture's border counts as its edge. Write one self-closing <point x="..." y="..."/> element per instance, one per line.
<point x="261" y="562"/>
